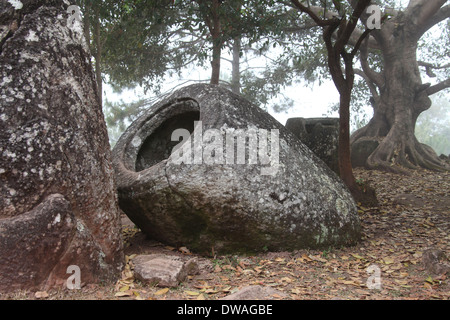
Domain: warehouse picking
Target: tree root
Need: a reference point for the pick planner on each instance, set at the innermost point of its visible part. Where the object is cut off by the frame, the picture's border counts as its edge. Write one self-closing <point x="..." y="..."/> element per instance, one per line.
<point x="397" y="155"/>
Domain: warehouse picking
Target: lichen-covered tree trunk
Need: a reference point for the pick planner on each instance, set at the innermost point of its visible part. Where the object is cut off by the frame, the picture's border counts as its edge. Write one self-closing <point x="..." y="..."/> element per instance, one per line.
<point x="58" y="201"/>
<point x="98" y="54"/>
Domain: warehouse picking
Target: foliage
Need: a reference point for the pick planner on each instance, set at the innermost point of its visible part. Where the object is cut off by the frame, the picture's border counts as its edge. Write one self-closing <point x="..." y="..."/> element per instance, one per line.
<point x="434" y="48"/>
<point x="145" y="41"/>
<point x="119" y="115"/>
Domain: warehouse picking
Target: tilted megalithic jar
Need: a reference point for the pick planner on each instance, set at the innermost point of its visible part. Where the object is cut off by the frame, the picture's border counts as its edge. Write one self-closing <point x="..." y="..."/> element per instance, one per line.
<point x="208" y="170"/>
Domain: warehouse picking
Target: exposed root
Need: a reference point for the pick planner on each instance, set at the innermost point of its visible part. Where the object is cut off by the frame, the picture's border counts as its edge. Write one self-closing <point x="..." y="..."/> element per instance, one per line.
<point x="395" y="155"/>
<point x="386" y="166"/>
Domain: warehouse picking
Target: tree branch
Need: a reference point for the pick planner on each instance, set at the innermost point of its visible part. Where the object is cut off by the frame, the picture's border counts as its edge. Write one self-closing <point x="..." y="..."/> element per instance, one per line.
<point x="312" y="12"/>
<point x="360" y="41"/>
<point x="374" y="76"/>
<point x="334" y="57"/>
<point x="308" y="25"/>
<point x="208" y="18"/>
<point x="370" y="84"/>
<point x="351" y="25"/>
<point x="428" y="8"/>
<point x="356" y="35"/>
<point x="438" y="87"/>
<point x="439" y="16"/>
<point x="429" y="66"/>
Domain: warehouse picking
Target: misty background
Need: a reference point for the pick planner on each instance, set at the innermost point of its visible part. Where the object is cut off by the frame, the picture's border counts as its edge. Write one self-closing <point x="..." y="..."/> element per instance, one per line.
<point x="308" y="98"/>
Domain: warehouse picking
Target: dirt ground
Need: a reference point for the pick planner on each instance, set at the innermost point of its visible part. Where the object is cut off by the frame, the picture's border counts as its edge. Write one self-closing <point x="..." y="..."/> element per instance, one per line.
<point x="413" y="215"/>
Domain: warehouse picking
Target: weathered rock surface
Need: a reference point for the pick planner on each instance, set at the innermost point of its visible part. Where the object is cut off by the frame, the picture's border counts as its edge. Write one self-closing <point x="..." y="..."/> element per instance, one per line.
<point x="163" y="270"/>
<point x="255" y="293"/>
<point x="294" y="201"/>
<point x="58" y="202"/>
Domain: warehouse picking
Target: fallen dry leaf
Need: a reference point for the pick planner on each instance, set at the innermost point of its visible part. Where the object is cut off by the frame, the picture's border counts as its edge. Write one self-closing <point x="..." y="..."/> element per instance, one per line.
<point x="161" y="292"/>
<point x="123" y="294"/>
<point x="184" y="250"/>
<point x="357" y="256"/>
<point x="351" y="282"/>
<point x="125" y="288"/>
<point x="318" y="258"/>
<point x="41" y="295"/>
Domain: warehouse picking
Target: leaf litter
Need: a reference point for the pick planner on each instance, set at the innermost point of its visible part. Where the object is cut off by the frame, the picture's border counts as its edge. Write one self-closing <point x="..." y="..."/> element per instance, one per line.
<point x="413" y="215"/>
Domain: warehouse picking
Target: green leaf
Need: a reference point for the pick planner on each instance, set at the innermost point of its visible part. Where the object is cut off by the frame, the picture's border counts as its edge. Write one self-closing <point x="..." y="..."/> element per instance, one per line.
<point x="429" y="280"/>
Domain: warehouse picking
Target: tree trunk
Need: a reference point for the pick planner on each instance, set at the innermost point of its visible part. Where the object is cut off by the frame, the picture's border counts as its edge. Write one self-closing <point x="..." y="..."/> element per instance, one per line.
<point x="215" y="63"/>
<point x="399" y="96"/>
<point x="343" y="79"/>
<point x="236" y="71"/>
<point x="345" y="164"/>
<point x="217" y="42"/>
<point x="87" y="23"/>
<point x="98" y="55"/>
<point x="58" y="203"/>
<point x="402" y="99"/>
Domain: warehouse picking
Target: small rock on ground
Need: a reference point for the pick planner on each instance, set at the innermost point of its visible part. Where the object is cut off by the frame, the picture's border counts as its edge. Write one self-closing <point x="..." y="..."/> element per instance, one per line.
<point x="163" y="270"/>
<point x="255" y="293"/>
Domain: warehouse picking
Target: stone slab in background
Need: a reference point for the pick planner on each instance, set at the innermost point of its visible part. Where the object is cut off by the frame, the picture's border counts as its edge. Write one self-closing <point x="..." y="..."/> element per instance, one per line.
<point x="321" y="135"/>
<point x="55" y="161"/>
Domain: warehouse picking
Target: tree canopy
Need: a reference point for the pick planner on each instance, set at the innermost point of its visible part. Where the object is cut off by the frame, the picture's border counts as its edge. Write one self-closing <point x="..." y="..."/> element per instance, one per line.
<point x="142" y="42"/>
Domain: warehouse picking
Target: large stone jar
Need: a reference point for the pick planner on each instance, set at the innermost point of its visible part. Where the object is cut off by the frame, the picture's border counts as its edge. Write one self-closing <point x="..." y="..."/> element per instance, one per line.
<point x="215" y="193"/>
